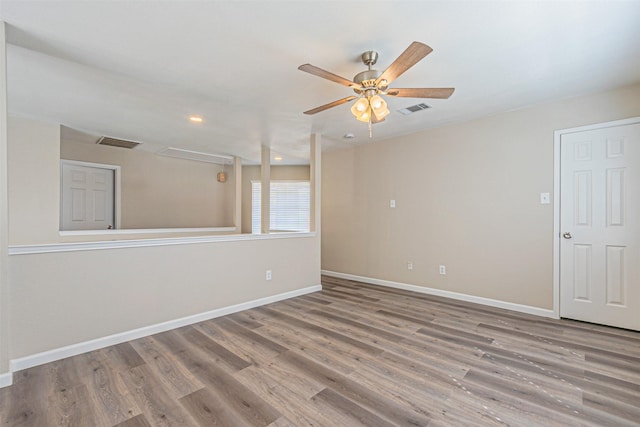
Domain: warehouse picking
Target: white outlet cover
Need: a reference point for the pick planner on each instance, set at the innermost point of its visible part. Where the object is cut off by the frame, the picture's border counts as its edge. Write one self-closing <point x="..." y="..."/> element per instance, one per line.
<point x="545" y="198"/>
<point x="392" y="203"/>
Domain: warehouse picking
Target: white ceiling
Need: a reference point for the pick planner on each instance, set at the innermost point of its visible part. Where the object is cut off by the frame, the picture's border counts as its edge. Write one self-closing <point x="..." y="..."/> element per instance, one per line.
<point x="137" y="69"/>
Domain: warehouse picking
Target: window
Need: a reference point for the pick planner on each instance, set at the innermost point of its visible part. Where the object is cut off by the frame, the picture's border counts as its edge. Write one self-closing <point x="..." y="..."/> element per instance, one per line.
<point x="290" y="206"/>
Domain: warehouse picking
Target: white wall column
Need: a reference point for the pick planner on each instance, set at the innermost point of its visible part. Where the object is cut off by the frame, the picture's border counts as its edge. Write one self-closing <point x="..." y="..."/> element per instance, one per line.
<point x="316" y="180"/>
<point x="266" y="189"/>
<point x="237" y="201"/>
<point x="5" y="376"/>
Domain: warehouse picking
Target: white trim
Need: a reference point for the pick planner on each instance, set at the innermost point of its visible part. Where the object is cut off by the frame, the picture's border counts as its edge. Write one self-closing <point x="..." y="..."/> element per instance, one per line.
<point x="98" y="343"/>
<point x="122" y="244"/>
<point x="6" y="379"/>
<point x="89" y="164"/>
<point x="196" y="156"/>
<point x="257" y="181"/>
<point x="557" y="136"/>
<point x="447" y="294"/>
<point x="117" y="172"/>
<point x="603" y="125"/>
<point x="556" y="223"/>
<point x="147" y="231"/>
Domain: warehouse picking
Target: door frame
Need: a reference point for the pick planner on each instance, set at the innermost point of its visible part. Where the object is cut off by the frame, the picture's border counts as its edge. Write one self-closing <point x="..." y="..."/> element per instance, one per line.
<point x="557" y="135"/>
<point x="116" y="188"/>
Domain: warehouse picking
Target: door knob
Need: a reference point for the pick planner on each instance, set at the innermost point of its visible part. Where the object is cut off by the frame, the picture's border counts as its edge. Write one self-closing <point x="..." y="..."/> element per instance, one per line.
<point x="566" y="235"/>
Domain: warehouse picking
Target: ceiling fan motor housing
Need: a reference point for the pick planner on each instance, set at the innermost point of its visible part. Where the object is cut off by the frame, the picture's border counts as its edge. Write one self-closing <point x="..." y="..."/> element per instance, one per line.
<point x="366" y="80"/>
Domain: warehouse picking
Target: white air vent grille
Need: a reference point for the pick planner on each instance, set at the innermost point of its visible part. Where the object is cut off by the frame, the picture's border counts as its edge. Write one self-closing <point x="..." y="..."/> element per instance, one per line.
<point x="196" y="155"/>
<point x="115" y="142"/>
<point x="414" y="109"/>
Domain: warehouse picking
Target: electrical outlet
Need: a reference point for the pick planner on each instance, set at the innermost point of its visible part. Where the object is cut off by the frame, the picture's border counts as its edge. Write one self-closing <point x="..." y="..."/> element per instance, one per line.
<point x="409" y="265"/>
<point x="443" y="270"/>
<point x="268" y="275"/>
<point x="545" y="198"/>
<point x="392" y="204"/>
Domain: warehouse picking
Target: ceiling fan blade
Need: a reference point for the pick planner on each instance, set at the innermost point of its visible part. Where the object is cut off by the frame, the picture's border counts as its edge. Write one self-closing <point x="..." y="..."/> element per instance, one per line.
<point x="312" y="69"/>
<point x="407" y="59"/>
<point x="436" y="93"/>
<point x="330" y="105"/>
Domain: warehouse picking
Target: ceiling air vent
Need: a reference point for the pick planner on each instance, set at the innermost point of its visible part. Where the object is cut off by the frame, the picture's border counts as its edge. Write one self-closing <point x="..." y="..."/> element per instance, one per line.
<point x="115" y="142"/>
<point x="414" y="109"/>
<point x="197" y="156"/>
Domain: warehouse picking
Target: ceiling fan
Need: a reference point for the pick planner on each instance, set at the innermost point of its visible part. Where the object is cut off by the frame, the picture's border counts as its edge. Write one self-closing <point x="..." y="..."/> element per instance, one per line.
<point x="370" y="84"/>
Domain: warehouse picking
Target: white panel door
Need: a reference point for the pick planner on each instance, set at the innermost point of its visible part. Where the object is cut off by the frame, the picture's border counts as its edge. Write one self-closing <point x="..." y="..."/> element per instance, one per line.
<point x="600" y="226"/>
<point x="86" y="197"/>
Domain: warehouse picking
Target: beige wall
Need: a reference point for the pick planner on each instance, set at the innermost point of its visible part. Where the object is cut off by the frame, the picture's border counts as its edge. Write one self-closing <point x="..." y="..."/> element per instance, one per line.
<point x="60" y="299"/>
<point x="252" y="173"/>
<point x="65" y="298"/>
<point x="467" y="197"/>
<point x="34" y="181"/>
<point x="163" y="192"/>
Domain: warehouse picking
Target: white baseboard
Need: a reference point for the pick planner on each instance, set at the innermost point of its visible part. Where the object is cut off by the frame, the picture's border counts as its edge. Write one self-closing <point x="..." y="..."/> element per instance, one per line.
<point x="6" y="379"/>
<point x="84" y="347"/>
<point x="448" y="294"/>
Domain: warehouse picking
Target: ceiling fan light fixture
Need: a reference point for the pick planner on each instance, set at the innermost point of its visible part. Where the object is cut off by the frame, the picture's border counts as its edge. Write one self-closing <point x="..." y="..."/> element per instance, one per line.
<point x="360" y="106"/>
<point x="381" y="114"/>
<point x="379" y="107"/>
<point x="376" y="102"/>
<point x="365" y="116"/>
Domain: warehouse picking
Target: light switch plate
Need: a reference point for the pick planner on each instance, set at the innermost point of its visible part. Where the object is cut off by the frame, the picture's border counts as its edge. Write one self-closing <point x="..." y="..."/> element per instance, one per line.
<point x="545" y="198"/>
<point x="392" y="203"/>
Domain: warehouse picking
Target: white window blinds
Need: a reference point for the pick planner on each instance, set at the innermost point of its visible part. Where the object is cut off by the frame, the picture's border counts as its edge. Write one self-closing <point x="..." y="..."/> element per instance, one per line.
<point x="290" y="206"/>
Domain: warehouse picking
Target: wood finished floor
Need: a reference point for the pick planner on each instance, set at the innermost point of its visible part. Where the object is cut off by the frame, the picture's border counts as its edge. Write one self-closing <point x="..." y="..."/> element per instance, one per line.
<point x="352" y="354"/>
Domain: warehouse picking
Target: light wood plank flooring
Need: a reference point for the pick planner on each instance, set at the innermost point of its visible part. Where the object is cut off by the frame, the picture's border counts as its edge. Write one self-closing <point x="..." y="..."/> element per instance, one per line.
<point x="352" y="354"/>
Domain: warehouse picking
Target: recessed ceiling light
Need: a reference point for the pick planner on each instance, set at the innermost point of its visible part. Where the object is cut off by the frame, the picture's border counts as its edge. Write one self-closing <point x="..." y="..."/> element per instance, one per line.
<point x="195" y="119"/>
<point x="349" y="135"/>
<point x="277" y="158"/>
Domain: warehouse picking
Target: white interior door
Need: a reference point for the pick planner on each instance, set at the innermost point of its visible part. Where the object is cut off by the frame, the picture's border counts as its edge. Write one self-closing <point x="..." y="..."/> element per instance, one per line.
<point x="600" y="226"/>
<point x="87" y="197"/>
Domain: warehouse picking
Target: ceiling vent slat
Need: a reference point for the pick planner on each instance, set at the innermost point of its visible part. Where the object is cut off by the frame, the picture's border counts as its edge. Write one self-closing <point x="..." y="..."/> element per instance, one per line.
<point x="414" y="109"/>
<point x="115" y="142"/>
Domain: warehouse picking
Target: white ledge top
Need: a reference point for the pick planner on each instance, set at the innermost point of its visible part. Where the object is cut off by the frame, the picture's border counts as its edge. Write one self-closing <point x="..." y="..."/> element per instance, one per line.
<point x="121" y="244"/>
<point x="147" y="231"/>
